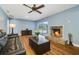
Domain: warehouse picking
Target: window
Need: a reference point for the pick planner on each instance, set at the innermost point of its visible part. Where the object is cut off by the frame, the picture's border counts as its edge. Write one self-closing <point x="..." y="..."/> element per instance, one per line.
<point x="43" y="27"/>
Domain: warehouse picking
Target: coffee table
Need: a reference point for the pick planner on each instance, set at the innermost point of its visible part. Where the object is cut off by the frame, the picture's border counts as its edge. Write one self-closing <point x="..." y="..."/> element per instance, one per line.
<point x="39" y="48"/>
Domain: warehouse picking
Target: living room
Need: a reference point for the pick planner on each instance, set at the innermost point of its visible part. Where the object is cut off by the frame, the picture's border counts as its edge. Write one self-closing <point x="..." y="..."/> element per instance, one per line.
<point x="56" y="22"/>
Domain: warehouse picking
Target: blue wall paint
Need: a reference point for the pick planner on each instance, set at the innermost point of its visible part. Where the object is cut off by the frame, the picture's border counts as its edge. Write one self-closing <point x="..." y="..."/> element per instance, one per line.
<point x="3" y="23"/>
<point x="69" y="19"/>
<point x="22" y="25"/>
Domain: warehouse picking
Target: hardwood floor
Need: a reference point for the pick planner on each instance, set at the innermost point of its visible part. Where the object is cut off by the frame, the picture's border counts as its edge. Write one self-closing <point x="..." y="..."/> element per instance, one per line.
<point x="56" y="49"/>
<point x="25" y="41"/>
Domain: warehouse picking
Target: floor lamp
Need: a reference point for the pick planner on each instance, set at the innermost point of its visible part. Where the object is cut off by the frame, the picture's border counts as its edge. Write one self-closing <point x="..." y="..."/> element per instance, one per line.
<point x="12" y="26"/>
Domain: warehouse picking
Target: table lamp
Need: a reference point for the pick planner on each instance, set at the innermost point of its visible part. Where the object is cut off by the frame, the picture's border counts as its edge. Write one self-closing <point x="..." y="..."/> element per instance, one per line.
<point x="12" y="26"/>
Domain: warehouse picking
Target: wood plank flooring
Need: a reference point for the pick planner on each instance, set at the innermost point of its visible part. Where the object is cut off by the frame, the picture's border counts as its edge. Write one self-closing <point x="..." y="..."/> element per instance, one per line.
<point x="56" y="49"/>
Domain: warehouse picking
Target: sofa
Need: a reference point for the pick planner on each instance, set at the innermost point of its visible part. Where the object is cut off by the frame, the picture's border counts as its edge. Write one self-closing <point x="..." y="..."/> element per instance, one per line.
<point x="3" y="39"/>
<point x="6" y="45"/>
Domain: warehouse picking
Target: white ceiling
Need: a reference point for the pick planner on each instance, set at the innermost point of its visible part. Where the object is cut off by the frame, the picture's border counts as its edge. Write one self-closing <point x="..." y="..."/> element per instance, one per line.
<point x="21" y="12"/>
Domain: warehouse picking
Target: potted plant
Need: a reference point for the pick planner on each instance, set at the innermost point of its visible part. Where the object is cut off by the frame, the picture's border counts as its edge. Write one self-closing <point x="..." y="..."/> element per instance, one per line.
<point x="37" y="33"/>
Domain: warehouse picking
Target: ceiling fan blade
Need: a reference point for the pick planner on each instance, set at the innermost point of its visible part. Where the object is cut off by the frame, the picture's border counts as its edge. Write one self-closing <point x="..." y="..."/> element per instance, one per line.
<point x="30" y="11"/>
<point x="38" y="11"/>
<point x="27" y="6"/>
<point x="41" y="6"/>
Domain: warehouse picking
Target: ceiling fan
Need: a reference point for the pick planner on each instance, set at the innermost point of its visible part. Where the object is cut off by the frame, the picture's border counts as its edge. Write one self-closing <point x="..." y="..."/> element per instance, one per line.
<point x="34" y="8"/>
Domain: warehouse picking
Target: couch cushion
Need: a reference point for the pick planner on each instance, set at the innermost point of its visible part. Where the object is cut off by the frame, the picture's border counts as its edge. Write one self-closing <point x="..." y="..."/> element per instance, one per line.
<point x="3" y="40"/>
<point x="2" y="34"/>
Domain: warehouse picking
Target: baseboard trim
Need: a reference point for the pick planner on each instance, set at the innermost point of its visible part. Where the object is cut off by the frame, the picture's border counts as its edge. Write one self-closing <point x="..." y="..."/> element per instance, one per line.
<point x="76" y="45"/>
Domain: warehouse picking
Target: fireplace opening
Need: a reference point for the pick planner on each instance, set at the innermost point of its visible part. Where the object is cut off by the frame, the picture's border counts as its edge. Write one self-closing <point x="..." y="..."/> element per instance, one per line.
<point x="56" y="31"/>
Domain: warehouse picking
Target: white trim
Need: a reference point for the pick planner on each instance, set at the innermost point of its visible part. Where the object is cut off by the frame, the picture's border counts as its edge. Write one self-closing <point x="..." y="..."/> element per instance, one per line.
<point x="76" y="45"/>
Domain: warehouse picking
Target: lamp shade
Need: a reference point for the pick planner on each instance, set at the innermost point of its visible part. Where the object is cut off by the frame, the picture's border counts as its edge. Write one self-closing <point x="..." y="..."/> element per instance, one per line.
<point x="12" y="25"/>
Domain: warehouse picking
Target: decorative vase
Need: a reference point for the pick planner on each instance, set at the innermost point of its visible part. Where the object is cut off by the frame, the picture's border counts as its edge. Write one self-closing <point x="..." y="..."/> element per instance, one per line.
<point x="70" y="39"/>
